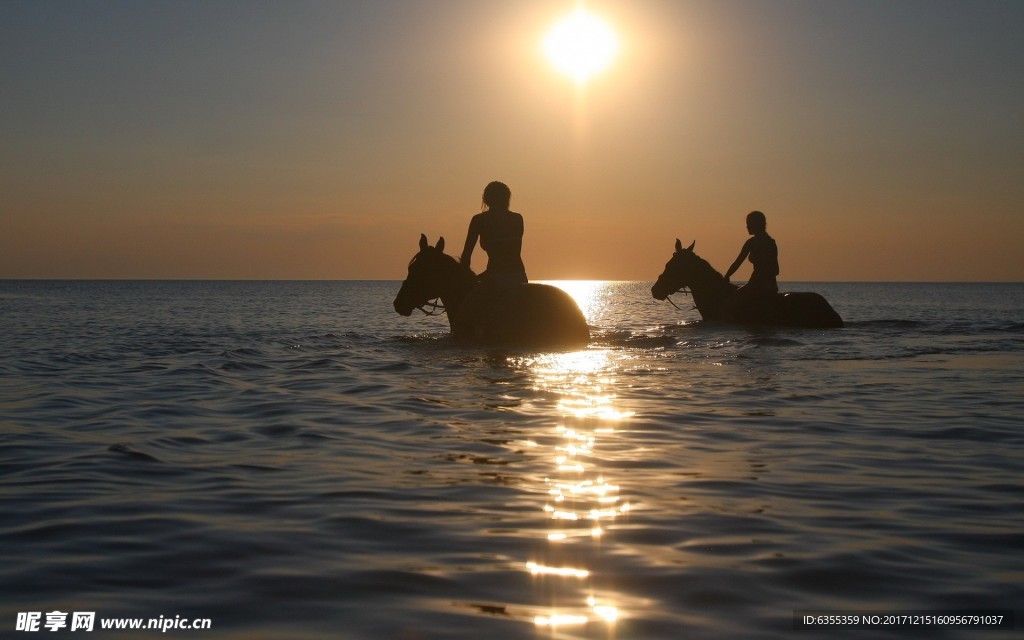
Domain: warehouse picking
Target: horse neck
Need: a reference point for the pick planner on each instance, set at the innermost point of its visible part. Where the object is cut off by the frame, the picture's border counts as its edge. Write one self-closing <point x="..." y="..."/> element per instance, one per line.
<point x="455" y="287"/>
<point x="709" y="289"/>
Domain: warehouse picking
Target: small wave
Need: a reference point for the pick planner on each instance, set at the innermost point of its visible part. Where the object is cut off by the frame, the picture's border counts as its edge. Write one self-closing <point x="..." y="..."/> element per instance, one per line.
<point x="1014" y="327"/>
<point x="244" y="352"/>
<point x="242" y="366"/>
<point x="611" y="335"/>
<point x="390" y="367"/>
<point x="422" y="338"/>
<point x="73" y="358"/>
<point x="178" y="441"/>
<point x="686" y="325"/>
<point x="630" y="340"/>
<point x="330" y="336"/>
<point x="315" y="365"/>
<point x="330" y="339"/>
<point x="276" y="430"/>
<point x="369" y="388"/>
<point x="769" y="341"/>
<point x="256" y="468"/>
<point x="885" y="324"/>
<point x="967" y="434"/>
<point x="125" y="449"/>
<point x="650" y="342"/>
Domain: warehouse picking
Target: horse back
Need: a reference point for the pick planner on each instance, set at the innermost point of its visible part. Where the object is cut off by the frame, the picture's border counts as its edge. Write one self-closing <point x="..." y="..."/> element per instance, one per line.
<point x="808" y="309"/>
<point x="524" y="315"/>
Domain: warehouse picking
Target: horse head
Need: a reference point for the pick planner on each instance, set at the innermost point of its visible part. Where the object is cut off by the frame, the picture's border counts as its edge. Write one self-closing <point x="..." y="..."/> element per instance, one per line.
<point x="429" y="271"/>
<point x="679" y="272"/>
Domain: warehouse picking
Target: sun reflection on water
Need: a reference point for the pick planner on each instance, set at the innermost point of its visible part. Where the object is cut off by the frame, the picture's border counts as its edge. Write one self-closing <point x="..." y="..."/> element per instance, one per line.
<point x="590" y="295"/>
<point x="580" y="502"/>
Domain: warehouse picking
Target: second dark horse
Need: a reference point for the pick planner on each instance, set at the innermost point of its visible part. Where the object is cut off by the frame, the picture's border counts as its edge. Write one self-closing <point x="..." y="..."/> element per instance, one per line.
<point x="687" y="270"/>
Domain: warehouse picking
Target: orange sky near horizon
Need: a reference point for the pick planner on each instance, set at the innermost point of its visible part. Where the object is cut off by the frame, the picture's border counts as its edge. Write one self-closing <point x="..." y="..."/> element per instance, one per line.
<point x="313" y="140"/>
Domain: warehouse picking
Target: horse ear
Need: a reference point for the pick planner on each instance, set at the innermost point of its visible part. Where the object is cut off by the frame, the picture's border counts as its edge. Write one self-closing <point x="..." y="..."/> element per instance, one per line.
<point x="440" y="244"/>
<point x="423" y="241"/>
<point x="679" y="245"/>
<point x="690" y="248"/>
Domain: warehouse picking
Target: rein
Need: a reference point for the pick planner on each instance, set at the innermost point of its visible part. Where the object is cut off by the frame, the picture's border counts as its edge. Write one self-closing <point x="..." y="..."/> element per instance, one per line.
<point x="436" y="308"/>
<point x="685" y="292"/>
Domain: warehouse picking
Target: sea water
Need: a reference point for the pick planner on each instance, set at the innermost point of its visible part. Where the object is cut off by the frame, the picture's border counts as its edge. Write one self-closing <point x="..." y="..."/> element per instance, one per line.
<point x="295" y="460"/>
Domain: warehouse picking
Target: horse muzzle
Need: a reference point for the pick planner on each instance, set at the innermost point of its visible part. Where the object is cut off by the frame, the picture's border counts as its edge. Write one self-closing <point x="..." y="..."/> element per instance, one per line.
<point x="402" y="308"/>
<point x="659" y="293"/>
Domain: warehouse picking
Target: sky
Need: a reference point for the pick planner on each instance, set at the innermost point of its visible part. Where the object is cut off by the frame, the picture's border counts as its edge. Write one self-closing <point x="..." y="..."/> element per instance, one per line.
<point x="884" y="140"/>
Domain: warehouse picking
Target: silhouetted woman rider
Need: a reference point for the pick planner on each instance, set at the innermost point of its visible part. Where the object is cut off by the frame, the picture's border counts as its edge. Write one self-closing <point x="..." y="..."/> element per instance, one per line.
<point x="500" y="232"/>
<point x="763" y="254"/>
<point x="760" y="248"/>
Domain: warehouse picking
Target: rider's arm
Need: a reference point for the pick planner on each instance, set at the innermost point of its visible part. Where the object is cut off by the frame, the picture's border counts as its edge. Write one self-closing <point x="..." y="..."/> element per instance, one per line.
<point x="518" y="244"/>
<point x="744" y="252"/>
<point x="471" y="237"/>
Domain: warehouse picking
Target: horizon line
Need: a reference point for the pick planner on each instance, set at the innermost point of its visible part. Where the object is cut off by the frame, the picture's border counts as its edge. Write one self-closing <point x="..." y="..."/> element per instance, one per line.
<point x="171" y="279"/>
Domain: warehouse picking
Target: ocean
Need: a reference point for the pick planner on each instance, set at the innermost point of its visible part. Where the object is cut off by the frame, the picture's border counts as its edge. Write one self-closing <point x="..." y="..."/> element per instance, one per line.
<point x="295" y="460"/>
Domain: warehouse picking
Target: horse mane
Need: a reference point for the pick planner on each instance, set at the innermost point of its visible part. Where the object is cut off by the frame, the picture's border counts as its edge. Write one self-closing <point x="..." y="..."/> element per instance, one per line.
<point x="460" y="269"/>
<point x="706" y="272"/>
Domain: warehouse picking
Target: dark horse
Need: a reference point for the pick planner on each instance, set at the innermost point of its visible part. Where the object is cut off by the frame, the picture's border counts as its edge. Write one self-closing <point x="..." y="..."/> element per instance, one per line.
<point x="512" y="315"/>
<point x="687" y="270"/>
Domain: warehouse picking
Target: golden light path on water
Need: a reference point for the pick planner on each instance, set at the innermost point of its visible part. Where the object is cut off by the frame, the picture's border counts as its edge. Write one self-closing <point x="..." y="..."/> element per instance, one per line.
<point x="580" y="500"/>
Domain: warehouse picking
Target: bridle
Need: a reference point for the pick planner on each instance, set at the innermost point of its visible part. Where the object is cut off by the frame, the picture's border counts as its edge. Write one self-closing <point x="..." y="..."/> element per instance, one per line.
<point x="685" y="290"/>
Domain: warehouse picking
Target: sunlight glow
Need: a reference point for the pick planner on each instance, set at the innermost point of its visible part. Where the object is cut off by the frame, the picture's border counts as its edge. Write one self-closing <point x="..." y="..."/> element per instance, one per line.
<point x="564" y="536"/>
<point x="590" y="295"/>
<point x="610" y="614"/>
<point x="593" y="407"/>
<point x="559" y="619"/>
<point x="581" y="45"/>
<point x="579" y="501"/>
<point x="604" y="612"/>
<point x="539" y="569"/>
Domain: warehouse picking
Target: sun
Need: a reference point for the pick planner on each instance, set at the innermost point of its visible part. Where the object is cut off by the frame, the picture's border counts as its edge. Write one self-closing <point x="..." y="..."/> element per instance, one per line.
<point x="581" y="45"/>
